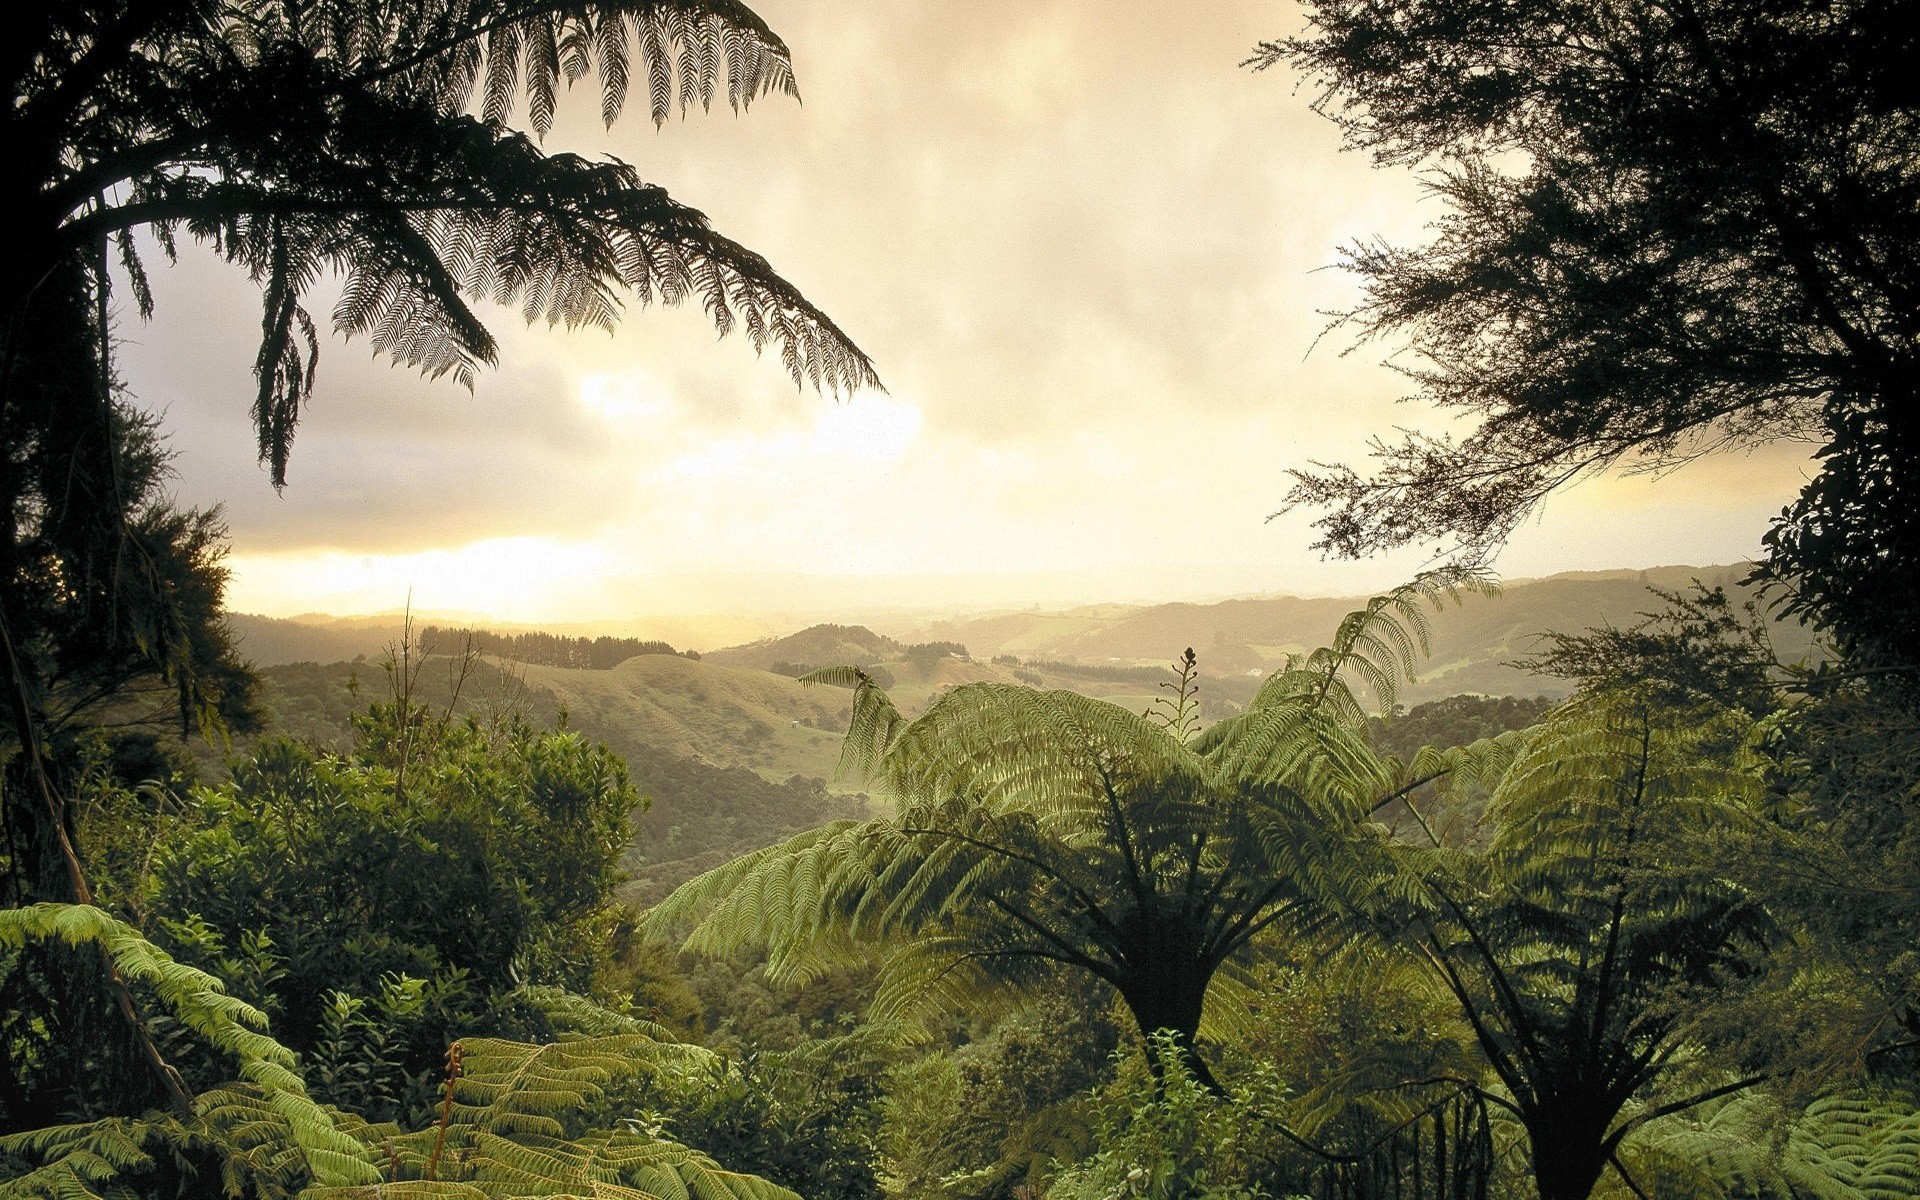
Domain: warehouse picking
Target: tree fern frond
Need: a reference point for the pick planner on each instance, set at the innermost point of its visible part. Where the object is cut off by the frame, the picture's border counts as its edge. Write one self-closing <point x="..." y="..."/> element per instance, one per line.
<point x="199" y="1001"/>
<point x="503" y="73"/>
<point x="733" y="904"/>
<point x="874" y="724"/>
<point x="1849" y="1146"/>
<point x="510" y="1133"/>
<point x="1380" y="643"/>
<point x="575" y="1016"/>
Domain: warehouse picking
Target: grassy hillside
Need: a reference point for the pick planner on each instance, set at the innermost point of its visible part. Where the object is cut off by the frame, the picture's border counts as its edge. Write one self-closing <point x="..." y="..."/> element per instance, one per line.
<point x="705" y="711"/>
<point x="815" y="646"/>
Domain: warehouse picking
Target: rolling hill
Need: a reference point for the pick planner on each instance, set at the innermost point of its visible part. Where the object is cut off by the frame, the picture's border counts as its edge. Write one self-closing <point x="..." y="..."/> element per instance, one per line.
<point x="1471" y="643"/>
<point x="705" y="711"/>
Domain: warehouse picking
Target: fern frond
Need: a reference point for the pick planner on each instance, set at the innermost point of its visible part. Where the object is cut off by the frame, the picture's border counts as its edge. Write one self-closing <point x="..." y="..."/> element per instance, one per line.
<point x="1850" y="1146"/>
<point x="199" y="1001"/>
<point x="1010" y="748"/>
<point x="510" y="1133"/>
<point x="1483" y="763"/>
<point x="875" y="720"/>
<point x="1380" y="644"/>
<point x="577" y="1016"/>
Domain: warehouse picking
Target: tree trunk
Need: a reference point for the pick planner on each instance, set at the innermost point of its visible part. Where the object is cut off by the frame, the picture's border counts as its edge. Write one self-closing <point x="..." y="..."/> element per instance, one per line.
<point x="1568" y="1138"/>
<point x="1171" y="1000"/>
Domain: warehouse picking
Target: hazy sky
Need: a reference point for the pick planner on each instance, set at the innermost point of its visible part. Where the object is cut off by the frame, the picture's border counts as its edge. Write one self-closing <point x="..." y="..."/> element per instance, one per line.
<point x="1085" y="250"/>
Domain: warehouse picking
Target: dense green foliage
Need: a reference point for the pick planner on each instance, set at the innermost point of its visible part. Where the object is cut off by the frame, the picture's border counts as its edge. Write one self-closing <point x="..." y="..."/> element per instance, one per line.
<point x="1581" y="991"/>
<point x="367" y="911"/>
<point x="515" y="1119"/>
<point x="487" y="852"/>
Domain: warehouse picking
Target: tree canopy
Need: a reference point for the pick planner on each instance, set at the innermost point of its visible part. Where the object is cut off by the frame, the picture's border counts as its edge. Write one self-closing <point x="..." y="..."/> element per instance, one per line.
<point x="1669" y="228"/>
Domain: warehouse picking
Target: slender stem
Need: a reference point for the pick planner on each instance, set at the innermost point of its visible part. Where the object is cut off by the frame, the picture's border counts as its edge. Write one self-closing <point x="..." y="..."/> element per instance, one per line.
<point x="170" y="1080"/>
<point x="446" y="1109"/>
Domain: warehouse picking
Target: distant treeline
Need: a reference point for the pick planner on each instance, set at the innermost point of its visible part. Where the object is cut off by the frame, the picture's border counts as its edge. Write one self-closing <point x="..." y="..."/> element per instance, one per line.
<point x="548" y="649"/>
<point x="1108" y="674"/>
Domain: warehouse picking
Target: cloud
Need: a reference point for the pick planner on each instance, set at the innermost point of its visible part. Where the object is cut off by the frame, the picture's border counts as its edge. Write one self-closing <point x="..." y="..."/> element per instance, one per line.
<point x="1086" y="250"/>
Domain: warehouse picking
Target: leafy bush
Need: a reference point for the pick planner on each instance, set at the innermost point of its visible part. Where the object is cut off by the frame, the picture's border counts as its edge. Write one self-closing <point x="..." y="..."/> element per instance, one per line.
<point x="1169" y="1138"/>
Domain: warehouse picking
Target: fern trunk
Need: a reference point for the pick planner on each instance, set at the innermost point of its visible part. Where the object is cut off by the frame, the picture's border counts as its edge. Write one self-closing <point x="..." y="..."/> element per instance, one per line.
<point x="1568" y="1138"/>
<point x="1168" y="1000"/>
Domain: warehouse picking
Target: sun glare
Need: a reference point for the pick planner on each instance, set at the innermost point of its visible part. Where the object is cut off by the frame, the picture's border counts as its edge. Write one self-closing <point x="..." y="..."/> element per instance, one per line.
<point x="867" y="427"/>
<point x="514" y="579"/>
<point x="621" y="395"/>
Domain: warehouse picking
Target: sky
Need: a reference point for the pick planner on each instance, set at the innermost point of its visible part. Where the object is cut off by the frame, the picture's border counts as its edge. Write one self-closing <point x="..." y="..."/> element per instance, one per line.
<point x="1089" y="254"/>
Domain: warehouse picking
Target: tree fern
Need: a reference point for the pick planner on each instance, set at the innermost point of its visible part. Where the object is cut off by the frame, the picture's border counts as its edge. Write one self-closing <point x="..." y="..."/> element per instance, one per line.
<point x="1039" y="831"/>
<point x="1579" y="945"/>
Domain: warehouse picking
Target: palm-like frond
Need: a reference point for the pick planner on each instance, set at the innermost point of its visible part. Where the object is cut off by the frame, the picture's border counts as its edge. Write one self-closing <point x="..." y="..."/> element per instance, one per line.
<point x="875" y="721"/>
<point x="1013" y="749"/>
<point x="504" y="52"/>
<point x="511" y="1131"/>
<point x="100" y="1151"/>
<point x="1484" y="763"/>
<point x="1378" y="646"/>
<point x="575" y="1016"/>
<point x="513" y="1128"/>
<point x="341" y="137"/>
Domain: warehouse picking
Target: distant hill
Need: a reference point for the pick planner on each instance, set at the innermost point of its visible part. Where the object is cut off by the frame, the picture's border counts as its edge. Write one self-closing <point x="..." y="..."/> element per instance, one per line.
<point x="705" y="711"/>
<point x="270" y="641"/>
<point x="1471" y="643"/>
<point x="314" y="637"/>
<point x="816" y="646"/>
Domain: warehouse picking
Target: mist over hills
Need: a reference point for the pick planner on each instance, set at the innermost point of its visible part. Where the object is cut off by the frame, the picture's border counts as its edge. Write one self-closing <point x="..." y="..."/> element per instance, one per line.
<point x="1241" y="638"/>
<point x="1246" y="638"/>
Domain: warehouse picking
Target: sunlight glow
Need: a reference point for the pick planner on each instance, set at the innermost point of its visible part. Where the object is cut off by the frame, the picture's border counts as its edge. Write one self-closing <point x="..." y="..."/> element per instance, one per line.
<point x="622" y="396"/>
<point x="525" y="578"/>
<point x="867" y="427"/>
